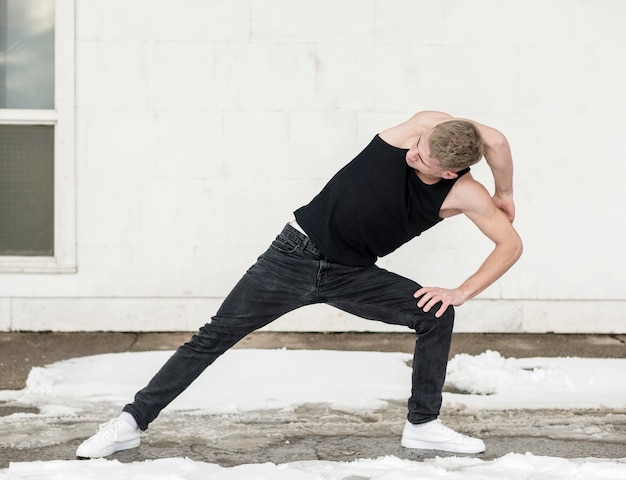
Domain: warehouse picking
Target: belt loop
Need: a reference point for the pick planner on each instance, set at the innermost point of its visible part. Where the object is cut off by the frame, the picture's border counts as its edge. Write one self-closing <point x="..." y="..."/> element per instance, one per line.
<point x="305" y="243"/>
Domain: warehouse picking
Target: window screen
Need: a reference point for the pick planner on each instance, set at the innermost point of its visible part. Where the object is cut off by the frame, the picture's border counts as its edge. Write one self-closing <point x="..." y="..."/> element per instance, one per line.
<point x="26" y="190"/>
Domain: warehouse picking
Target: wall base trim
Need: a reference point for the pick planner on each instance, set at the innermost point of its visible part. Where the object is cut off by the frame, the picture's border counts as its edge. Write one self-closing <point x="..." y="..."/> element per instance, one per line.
<point x="188" y="314"/>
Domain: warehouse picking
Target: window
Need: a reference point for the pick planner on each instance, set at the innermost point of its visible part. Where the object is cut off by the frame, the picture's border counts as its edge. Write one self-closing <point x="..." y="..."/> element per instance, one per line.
<point x="37" y="225"/>
<point x="27" y="47"/>
<point x="26" y="190"/>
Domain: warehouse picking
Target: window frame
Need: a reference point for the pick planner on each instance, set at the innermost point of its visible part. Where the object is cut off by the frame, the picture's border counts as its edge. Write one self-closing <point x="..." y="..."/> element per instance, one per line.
<point x="63" y="120"/>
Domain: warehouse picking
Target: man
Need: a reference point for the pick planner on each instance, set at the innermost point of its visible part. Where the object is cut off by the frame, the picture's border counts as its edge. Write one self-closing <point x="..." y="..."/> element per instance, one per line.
<point x="409" y="178"/>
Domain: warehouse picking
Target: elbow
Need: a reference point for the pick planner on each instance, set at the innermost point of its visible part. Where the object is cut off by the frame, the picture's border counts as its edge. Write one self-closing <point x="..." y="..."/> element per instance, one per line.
<point x="496" y="141"/>
<point x="517" y="248"/>
<point x="511" y="249"/>
<point x="520" y="250"/>
<point x="501" y="141"/>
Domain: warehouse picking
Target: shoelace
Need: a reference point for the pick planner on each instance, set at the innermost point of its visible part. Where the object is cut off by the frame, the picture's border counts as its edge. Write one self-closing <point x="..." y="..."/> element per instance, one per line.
<point x="448" y="430"/>
<point x="113" y="431"/>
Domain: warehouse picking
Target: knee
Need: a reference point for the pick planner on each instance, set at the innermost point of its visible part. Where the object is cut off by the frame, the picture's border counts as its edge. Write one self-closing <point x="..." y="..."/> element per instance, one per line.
<point x="448" y="315"/>
<point x="430" y="322"/>
<point x="210" y="339"/>
<point x="447" y="318"/>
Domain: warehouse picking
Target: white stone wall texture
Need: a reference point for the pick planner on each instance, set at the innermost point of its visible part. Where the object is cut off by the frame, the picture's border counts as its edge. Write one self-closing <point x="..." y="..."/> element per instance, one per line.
<point x="202" y="124"/>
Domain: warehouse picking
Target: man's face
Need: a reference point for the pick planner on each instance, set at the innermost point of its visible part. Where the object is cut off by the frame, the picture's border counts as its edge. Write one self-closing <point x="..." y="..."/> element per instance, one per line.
<point x="418" y="158"/>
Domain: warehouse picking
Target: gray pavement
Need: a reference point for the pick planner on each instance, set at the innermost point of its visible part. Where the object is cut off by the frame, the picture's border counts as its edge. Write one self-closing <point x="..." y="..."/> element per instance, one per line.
<point x="313" y="431"/>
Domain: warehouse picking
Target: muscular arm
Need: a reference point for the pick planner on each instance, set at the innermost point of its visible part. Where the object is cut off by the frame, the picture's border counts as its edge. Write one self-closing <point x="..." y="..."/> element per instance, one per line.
<point x="492" y="215"/>
<point x="498" y="156"/>
<point x="405" y="134"/>
<point x="496" y="149"/>
<point x="472" y="199"/>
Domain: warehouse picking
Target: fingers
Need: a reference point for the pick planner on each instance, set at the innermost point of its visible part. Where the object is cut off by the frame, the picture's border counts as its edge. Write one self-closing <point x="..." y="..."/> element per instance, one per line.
<point x="507" y="206"/>
<point x="509" y="211"/>
<point x="442" y="309"/>
<point x="420" y="292"/>
<point x="431" y="297"/>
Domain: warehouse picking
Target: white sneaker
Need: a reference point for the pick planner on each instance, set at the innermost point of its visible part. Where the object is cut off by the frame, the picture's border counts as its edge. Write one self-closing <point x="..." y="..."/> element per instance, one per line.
<point x="112" y="437"/>
<point x="434" y="435"/>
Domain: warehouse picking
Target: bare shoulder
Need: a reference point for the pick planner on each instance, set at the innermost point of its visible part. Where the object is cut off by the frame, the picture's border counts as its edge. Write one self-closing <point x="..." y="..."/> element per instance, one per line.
<point x="473" y="200"/>
<point x="430" y="118"/>
<point x="468" y="196"/>
<point x="404" y="134"/>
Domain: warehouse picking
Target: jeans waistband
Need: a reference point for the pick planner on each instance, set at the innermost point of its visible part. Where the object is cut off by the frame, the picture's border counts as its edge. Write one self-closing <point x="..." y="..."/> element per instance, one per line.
<point x="301" y="238"/>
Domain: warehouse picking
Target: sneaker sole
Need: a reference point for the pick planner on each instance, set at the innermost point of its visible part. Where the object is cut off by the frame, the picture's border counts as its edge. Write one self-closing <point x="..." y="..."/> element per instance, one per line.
<point x="134" y="443"/>
<point x="418" y="444"/>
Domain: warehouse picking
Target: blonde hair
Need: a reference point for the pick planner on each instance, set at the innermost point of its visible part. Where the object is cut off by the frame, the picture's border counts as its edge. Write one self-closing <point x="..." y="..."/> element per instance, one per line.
<point x="456" y="144"/>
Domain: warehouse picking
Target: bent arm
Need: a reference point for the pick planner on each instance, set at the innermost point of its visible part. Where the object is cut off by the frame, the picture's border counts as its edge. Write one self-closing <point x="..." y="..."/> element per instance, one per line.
<point x="507" y="250"/>
<point x="475" y="203"/>
<point x="500" y="160"/>
<point x="496" y="150"/>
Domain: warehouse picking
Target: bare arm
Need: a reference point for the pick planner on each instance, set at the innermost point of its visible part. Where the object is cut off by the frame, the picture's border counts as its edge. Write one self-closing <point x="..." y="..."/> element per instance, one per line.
<point x="474" y="201"/>
<point x="493" y="216"/>
<point x="405" y="134"/>
<point x="498" y="156"/>
<point x="496" y="149"/>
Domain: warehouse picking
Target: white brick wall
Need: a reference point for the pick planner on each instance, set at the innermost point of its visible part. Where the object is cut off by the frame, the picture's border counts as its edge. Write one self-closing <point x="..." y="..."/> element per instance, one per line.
<point x="202" y="124"/>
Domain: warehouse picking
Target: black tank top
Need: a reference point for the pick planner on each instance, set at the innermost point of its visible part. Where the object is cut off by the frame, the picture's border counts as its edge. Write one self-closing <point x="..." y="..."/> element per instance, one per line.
<point x="372" y="206"/>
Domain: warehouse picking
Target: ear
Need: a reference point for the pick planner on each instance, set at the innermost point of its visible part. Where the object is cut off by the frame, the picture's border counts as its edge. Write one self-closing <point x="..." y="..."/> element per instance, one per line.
<point x="449" y="175"/>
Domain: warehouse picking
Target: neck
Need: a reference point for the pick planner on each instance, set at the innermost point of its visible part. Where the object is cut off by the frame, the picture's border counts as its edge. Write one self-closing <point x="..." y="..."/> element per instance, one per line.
<point x="427" y="179"/>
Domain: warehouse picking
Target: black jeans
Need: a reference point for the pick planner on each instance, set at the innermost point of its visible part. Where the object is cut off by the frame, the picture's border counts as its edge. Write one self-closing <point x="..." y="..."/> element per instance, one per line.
<point x="293" y="273"/>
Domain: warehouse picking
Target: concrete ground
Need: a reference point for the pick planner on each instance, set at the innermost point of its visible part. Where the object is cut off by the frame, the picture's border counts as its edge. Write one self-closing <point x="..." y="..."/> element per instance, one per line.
<point x="313" y="431"/>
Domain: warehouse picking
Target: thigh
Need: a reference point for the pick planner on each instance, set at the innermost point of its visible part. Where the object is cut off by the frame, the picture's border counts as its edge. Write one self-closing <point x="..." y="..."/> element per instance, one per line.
<point x="377" y="294"/>
<point x="281" y="280"/>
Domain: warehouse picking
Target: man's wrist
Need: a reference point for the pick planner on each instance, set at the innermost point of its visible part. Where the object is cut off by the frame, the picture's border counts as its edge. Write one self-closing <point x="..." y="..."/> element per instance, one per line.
<point x="466" y="292"/>
<point x="504" y="193"/>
